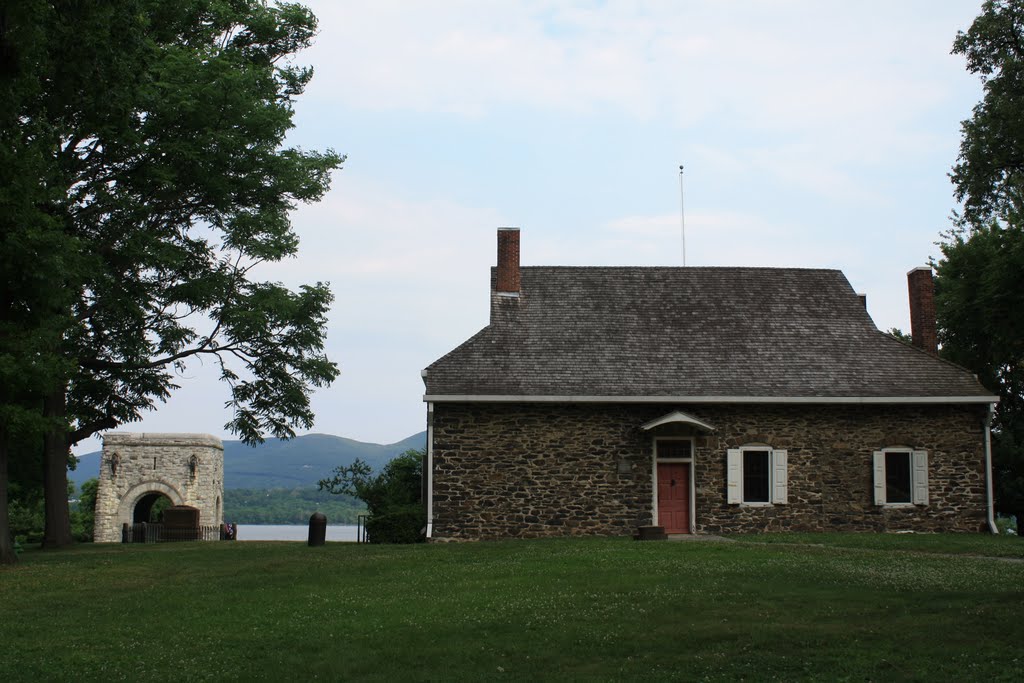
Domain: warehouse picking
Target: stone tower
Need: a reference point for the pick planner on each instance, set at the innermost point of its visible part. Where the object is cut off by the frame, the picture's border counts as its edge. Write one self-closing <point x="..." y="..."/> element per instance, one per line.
<point x="136" y="470"/>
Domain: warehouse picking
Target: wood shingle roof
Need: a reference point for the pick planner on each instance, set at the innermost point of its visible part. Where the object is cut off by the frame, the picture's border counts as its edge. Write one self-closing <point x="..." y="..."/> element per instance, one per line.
<point x="716" y="334"/>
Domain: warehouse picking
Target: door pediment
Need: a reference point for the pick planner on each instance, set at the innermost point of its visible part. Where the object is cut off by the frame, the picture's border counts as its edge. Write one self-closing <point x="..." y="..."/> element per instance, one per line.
<point x="677" y="417"/>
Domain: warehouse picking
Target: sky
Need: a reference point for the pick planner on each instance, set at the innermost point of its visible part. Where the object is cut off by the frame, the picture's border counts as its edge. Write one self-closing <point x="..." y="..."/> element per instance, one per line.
<point x="814" y="133"/>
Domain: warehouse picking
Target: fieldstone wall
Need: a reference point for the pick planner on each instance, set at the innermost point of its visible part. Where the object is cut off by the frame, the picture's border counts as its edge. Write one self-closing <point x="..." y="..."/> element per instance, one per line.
<point x="187" y="468"/>
<point x="530" y="470"/>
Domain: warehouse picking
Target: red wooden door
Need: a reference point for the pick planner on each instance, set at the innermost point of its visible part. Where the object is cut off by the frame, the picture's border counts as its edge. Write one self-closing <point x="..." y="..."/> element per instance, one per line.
<point x="674" y="497"/>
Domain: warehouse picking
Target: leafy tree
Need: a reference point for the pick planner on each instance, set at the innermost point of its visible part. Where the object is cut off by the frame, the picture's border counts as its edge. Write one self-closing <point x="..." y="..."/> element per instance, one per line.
<point x="901" y="335"/>
<point x="980" y="278"/>
<point x="26" y="513"/>
<point x="393" y="497"/>
<point x="143" y="141"/>
<point x="989" y="172"/>
<point x="979" y="294"/>
<point x="86" y="509"/>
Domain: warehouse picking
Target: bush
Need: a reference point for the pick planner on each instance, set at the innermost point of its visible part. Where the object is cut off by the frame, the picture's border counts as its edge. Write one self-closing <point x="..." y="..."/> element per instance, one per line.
<point x="402" y="524"/>
<point x="393" y="497"/>
<point x="1007" y="526"/>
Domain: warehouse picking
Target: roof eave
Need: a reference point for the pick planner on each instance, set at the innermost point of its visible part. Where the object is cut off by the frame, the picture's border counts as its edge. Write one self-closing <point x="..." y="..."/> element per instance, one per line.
<point x="511" y="398"/>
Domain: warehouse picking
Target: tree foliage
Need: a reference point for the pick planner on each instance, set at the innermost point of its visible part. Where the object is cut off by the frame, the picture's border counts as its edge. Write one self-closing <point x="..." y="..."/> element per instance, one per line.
<point x="979" y="296"/>
<point x="144" y="178"/>
<point x="990" y="170"/>
<point x="27" y="514"/>
<point x="86" y="507"/>
<point x="979" y="284"/>
<point x="393" y="497"/>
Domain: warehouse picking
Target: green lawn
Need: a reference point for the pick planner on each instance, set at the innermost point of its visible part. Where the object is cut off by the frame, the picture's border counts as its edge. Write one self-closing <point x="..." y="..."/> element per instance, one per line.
<point x="601" y="609"/>
<point x="959" y="544"/>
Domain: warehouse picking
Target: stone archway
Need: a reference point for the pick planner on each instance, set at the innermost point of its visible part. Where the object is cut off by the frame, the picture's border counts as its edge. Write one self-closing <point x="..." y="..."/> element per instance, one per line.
<point x="138" y="469"/>
<point x="149" y="507"/>
<point x="137" y="503"/>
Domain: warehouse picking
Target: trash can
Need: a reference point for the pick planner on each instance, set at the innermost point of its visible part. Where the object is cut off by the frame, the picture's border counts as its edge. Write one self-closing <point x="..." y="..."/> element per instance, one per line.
<point x="317" y="529"/>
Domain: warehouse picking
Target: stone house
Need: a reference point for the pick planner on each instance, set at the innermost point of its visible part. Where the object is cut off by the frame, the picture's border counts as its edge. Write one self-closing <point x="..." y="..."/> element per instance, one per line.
<point x="704" y="400"/>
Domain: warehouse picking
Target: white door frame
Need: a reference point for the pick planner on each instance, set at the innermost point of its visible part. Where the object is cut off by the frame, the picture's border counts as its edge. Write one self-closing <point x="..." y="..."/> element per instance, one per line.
<point x="654" y="476"/>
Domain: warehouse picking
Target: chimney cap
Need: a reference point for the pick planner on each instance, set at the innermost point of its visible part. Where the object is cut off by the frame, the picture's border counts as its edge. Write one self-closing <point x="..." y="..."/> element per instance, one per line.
<point x="914" y="270"/>
<point x="508" y="228"/>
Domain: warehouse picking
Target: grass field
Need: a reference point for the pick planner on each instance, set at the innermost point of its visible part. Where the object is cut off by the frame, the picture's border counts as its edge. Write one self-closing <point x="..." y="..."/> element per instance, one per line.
<point x="822" y="607"/>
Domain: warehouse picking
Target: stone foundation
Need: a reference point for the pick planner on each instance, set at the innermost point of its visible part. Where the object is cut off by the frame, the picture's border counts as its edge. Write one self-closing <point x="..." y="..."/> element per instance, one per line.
<point x="187" y="468"/>
<point x="534" y="470"/>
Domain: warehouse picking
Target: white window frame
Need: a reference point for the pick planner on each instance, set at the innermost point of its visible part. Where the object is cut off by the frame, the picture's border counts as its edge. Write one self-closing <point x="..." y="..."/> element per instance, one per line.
<point x="778" y="471"/>
<point x="918" y="476"/>
<point x="654" y="476"/>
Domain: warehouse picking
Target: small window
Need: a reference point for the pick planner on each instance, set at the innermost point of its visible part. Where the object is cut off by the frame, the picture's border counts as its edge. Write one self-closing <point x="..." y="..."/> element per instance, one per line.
<point x="897" y="477"/>
<point x="757" y="475"/>
<point x="901" y="477"/>
<point x="675" y="448"/>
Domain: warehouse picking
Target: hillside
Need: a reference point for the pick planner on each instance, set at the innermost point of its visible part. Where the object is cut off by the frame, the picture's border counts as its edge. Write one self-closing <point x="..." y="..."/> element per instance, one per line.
<point x="301" y="461"/>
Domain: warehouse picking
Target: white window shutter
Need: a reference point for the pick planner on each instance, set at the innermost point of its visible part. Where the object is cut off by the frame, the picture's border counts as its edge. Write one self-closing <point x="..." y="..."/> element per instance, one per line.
<point x="733" y="496"/>
<point x="879" y="470"/>
<point x="920" y="477"/>
<point x="780" y="477"/>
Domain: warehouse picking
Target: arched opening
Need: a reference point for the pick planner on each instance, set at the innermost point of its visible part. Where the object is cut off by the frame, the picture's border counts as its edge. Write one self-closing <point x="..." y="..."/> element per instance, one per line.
<point x="150" y="508"/>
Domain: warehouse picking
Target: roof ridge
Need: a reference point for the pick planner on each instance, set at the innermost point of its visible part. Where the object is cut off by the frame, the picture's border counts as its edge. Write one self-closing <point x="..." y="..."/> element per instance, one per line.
<point x="687" y="268"/>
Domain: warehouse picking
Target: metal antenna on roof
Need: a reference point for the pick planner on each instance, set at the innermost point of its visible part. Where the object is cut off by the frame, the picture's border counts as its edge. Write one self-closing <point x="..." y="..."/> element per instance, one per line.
<point x="682" y="212"/>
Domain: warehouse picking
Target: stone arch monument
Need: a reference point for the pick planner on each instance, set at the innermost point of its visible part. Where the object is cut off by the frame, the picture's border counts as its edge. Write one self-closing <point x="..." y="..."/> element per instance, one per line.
<point x="136" y="470"/>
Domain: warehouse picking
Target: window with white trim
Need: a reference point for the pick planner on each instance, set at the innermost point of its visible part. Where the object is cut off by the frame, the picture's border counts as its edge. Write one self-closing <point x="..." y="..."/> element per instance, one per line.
<point x="756" y="475"/>
<point x="900" y="476"/>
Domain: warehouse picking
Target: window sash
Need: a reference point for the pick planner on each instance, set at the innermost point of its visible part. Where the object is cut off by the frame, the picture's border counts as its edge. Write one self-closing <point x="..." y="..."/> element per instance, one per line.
<point x="901" y="477"/>
<point x="675" y="448"/>
<point x="777" y="464"/>
<point x="756" y="476"/>
<point x="898" y="480"/>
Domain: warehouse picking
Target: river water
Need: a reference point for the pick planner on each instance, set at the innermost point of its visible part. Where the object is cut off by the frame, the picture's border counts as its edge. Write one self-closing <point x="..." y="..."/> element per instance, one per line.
<point x="293" y="532"/>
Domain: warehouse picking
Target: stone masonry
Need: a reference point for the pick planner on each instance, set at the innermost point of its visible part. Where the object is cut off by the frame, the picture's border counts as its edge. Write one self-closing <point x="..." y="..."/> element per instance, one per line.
<point x="187" y="468"/>
<point x="532" y="470"/>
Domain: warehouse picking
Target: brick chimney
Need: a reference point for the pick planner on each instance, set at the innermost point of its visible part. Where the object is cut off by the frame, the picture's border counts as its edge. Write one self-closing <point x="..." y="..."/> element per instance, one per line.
<point x="922" y="309"/>
<point x="508" y="262"/>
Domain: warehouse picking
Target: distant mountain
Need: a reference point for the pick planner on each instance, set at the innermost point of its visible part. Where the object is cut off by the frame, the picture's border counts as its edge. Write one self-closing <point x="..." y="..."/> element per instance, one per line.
<point x="302" y="461"/>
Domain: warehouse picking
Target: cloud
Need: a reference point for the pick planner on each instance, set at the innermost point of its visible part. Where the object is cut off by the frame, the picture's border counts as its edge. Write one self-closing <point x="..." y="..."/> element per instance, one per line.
<point x="784" y="66"/>
<point x="777" y="83"/>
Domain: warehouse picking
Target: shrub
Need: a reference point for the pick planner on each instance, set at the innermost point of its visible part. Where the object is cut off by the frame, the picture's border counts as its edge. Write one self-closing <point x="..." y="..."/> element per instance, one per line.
<point x="1007" y="526"/>
<point x="393" y="497"/>
<point x="400" y="524"/>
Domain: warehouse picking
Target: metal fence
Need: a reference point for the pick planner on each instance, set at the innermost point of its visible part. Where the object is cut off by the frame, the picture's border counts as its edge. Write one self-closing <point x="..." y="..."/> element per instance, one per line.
<point x="145" y="532"/>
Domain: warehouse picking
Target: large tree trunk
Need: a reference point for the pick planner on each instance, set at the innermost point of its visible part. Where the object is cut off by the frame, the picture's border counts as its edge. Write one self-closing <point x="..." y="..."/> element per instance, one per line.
<point x="7" y="555"/>
<point x="57" y="533"/>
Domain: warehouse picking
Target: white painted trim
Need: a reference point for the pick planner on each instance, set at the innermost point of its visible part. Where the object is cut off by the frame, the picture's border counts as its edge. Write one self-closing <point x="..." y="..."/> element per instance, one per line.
<point x="912" y="455"/>
<point x="677" y="417"/>
<point x="429" y="474"/>
<point x="779" y="492"/>
<point x="989" y="499"/>
<point x="878" y="477"/>
<point x="856" y="400"/>
<point x="654" y="476"/>
<point x="733" y="476"/>
<point x="743" y="502"/>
